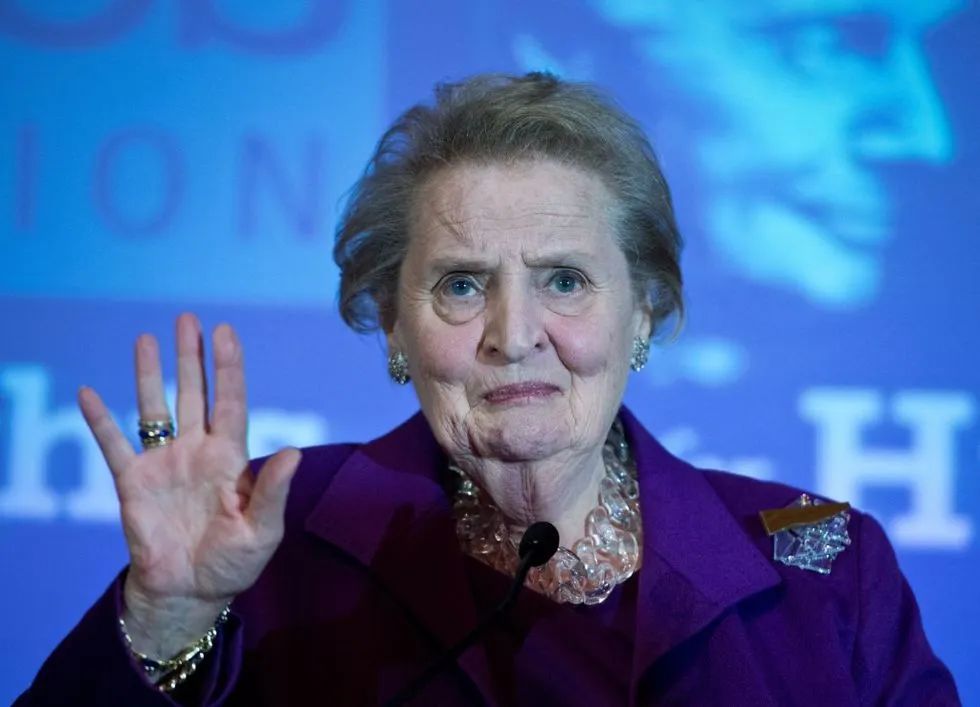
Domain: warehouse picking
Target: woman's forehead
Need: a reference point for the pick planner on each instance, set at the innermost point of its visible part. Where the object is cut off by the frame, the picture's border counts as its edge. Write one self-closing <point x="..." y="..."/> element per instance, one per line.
<point x="470" y="204"/>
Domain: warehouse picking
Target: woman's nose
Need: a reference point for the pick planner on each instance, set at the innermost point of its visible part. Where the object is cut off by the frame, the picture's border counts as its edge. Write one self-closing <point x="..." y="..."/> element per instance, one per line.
<point x="513" y="325"/>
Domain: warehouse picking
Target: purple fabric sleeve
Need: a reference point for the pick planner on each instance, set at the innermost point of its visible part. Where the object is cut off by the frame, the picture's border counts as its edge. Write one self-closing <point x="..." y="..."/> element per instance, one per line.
<point x="893" y="662"/>
<point x="93" y="666"/>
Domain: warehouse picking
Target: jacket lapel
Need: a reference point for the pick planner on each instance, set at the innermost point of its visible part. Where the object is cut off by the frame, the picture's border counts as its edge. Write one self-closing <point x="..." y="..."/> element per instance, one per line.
<point x="697" y="560"/>
<point x="386" y="509"/>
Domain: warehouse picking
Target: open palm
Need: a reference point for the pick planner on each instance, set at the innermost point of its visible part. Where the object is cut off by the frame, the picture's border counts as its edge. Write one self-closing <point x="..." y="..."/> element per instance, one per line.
<point x="198" y="525"/>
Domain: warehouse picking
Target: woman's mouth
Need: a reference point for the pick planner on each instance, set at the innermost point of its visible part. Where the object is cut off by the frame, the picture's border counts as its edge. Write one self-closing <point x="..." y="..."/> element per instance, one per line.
<point x="521" y="391"/>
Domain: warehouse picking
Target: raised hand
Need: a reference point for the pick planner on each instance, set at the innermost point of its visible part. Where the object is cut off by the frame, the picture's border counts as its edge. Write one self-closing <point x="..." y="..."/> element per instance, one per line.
<point x="198" y="527"/>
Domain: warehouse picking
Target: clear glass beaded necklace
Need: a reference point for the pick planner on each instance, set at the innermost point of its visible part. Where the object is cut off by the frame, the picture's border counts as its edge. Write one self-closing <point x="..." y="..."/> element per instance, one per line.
<point x="608" y="553"/>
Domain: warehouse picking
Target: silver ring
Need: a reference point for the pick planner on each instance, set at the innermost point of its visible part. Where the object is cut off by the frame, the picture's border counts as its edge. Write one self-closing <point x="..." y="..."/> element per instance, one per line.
<point x="156" y="433"/>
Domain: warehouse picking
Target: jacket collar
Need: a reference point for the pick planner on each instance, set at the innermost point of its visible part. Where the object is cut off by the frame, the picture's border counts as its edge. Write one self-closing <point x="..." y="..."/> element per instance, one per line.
<point x="697" y="559"/>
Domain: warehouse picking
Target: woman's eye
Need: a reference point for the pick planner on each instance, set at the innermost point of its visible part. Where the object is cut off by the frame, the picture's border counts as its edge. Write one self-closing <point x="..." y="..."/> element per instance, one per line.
<point x="459" y="287"/>
<point x="566" y="282"/>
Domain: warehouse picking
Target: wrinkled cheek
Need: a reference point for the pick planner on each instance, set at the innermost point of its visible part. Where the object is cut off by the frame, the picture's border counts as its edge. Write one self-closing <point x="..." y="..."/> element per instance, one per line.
<point x="446" y="356"/>
<point x="586" y="352"/>
<point x="443" y="361"/>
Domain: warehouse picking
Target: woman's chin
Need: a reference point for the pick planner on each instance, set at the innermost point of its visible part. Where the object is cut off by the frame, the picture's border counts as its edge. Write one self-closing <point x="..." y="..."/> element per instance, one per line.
<point x="520" y="433"/>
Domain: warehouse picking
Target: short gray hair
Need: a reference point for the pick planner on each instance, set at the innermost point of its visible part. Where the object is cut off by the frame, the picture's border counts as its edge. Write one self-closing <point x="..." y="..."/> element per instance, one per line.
<point x="492" y="118"/>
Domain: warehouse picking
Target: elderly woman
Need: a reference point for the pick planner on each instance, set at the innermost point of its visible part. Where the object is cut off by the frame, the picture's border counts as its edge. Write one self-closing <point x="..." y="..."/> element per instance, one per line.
<point x="516" y="243"/>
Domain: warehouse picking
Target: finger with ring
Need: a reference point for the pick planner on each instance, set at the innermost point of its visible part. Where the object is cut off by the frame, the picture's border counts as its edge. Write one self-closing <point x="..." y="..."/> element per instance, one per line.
<point x="156" y="433"/>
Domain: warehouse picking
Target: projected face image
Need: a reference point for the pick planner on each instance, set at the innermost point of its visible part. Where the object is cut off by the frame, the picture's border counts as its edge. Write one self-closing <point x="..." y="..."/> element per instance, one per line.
<point x="808" y="100"/>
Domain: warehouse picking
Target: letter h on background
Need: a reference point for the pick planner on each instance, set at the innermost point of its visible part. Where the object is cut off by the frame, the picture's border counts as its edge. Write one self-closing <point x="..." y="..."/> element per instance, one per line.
<point x="927" y="468"/>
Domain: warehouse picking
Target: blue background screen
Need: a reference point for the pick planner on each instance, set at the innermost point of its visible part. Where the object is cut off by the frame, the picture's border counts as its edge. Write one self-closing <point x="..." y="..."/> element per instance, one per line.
<point x="157" y="157"/>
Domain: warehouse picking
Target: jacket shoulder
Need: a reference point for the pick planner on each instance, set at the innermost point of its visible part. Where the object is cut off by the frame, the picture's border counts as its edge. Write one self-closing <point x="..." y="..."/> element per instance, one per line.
<point x="865" y="596"/>
<point x="744" y="494"/>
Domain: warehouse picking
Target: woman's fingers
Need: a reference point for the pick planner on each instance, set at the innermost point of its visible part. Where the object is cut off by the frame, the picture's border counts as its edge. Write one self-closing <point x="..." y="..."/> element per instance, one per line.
<point x="268" y="503"/>
<point x="150" y="399"/>
<point x="230" y="416"/>
<point x="115" y="447"/>
<point x="192" y="394"/>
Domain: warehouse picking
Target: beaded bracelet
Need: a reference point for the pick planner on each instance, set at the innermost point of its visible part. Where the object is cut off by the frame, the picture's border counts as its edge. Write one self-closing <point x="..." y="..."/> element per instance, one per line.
<point x="168" y="674"/>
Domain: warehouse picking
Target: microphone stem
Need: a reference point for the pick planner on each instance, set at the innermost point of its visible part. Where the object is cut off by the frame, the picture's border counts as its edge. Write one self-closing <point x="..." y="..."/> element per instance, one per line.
<point x="413" y="688"/>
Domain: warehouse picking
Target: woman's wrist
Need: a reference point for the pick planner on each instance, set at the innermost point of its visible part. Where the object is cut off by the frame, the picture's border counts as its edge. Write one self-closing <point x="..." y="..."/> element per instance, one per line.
<point x="162" y="627"/>
<point x="169" y="673"/>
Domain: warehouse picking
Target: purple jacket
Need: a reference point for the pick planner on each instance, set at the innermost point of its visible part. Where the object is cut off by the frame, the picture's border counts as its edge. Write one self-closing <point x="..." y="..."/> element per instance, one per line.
<point x="369" y="584"/>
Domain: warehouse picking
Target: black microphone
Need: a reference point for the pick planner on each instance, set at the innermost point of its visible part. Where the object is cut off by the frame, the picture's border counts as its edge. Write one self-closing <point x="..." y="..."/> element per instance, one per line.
<point x="538" y="544"/>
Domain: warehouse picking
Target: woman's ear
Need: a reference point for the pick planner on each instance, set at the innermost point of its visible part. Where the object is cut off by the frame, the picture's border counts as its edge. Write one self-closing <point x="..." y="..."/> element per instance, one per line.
<point x="392" y="336"/>
<point x="393" y="342"/>
<point x="643" y="318"/>
<point x="388" y="323"/>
